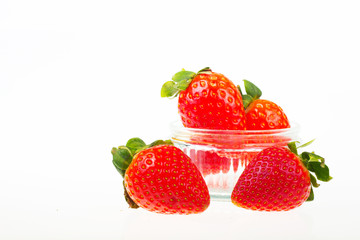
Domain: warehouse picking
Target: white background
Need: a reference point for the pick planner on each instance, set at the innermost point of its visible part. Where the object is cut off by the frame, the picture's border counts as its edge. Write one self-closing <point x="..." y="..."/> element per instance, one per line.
<point x="80" y="77"/>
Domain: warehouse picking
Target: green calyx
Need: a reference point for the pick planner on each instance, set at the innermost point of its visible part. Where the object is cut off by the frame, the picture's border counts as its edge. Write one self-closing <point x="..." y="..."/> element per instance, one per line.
<point x="180" y="82"/>
<point x="252" y="93"/>
<point x="314" y="163"/>
<point x="123" y="156"/>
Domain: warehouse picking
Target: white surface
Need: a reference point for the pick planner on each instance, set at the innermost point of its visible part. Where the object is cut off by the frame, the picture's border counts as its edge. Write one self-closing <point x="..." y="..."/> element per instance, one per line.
<point x="79" y="77"/>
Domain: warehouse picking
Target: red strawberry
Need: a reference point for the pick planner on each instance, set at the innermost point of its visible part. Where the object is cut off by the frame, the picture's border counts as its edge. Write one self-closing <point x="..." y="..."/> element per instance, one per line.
<point x="160" y="178"/>
<point x="207" y="100"/>
<point x="262" y="114"/>
<point x="279" y="179"/>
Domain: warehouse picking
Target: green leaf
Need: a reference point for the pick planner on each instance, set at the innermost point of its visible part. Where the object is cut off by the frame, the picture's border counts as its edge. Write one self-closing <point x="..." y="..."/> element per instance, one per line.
<point x="135" y="144"/>
<point x="160" y="142"/>
<point x="314" y="181"/>
<point x="304" y="156"/>
<point x="247" y="99"/>
<point x="181" y="81"/>
<point x="252" y="90"/>
<point x="311" y="196"/>
<point x="238" y="87"/>
<point x="315" y="158"/>
<point x="316" y="164"/>
<point x="321" y="171"/>
<point x="307" y="144"/>
<point x="156" y="143"/>
<point x="292" y="147"/>
<point x="168" y="142"/>
<point x="121" y="171"/>
<point x="169" y="89"/>
<point x="183" y="85"/>
<point x="205" y="70"/>
<point x="122" y="157"/>
<point x="183" y="75"/>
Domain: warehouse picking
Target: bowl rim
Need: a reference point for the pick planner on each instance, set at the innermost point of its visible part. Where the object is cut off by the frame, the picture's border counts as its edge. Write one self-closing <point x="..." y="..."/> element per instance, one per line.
<point x="177" y="127"/>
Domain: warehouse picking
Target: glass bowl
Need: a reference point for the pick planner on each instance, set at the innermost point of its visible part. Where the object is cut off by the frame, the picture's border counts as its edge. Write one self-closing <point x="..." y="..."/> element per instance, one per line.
<point x="222" y="155"/>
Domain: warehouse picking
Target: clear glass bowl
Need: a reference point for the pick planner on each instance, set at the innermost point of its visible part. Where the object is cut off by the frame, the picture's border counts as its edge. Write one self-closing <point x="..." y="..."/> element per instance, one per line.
<point x="222" y="155"/>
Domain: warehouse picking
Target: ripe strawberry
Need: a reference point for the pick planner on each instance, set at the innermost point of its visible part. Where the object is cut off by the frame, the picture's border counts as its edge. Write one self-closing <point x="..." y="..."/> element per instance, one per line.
<point x="160" y="178"/>
<point x="262" y="114"/>
<point x="206" y="100"/>
<point x="279" y="179"/>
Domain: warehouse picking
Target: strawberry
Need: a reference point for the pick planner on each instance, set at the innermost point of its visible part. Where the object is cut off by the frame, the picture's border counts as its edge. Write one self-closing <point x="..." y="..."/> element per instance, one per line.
<point x="207" y="100"/>
<point x="160" y="178"/>
<point x="261" y="114"/>
<point x="278" y="179"/>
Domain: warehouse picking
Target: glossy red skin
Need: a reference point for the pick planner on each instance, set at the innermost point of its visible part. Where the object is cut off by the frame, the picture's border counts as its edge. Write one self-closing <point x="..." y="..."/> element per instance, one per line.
<point x="275" y="180"/>
<point x="163" y="179"/>
<point x="264" y="114"/>
<point x="212" y="101"/>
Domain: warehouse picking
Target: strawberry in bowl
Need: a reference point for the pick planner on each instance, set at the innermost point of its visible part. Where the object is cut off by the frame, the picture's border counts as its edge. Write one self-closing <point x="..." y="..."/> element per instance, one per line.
<point x="261" y="114"/>
<point x="222" y="155"/>
<point x="207" y="100"/>
<point x="222" y="128"/>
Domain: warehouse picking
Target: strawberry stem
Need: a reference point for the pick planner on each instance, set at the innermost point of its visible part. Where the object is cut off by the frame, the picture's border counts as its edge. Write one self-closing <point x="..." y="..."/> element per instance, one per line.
<point x="252" y="93"/>
<point x="314" y="163"/>
<point x="306" y="144"/>
<point x="206" y="70"/>
<point x="122" y="158"/>
<point x="180" y="82"/>
<point x="169" y="90"/>
<point x="123" y="155"/>
<point x="252" y="90"/>
<point x="134" y="144"/>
